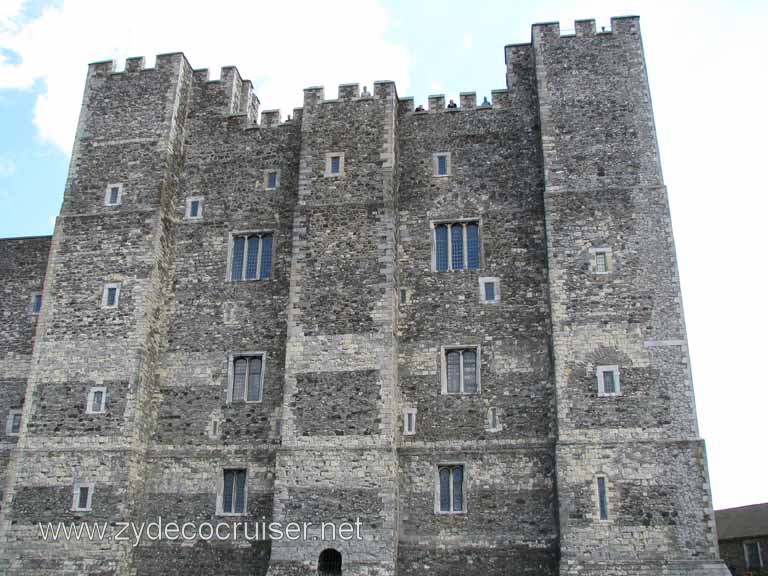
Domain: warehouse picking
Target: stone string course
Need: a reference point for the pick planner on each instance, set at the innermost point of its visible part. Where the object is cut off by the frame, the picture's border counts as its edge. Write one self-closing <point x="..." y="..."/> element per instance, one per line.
<point x="563" y="162"/>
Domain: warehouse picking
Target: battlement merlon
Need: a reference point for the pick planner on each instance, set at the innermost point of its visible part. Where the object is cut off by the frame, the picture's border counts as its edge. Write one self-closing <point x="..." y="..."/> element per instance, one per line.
<point x="585" y="28"/>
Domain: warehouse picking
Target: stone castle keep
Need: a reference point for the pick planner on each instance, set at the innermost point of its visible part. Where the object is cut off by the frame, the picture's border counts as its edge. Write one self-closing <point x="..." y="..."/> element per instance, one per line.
<point x="461" y="325"/>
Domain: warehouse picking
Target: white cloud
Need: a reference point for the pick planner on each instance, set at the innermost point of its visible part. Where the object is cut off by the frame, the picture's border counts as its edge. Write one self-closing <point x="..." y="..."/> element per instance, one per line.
<point x="9" y="12"/>
<point x="467" y="41"/>
<point x="282" y="46"/>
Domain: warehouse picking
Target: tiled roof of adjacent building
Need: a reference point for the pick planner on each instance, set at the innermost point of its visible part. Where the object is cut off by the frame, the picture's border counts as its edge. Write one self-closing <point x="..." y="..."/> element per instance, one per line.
<point x="742" y="522"/>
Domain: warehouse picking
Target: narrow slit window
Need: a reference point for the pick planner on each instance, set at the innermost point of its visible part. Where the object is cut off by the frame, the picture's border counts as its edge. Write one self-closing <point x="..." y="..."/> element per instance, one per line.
<point x="113" y="195"/>
<point x="335" y="164"/>
<point x="409" y="422"/>
<point x="37" y="303"/>
<point x="450" y="480"/>
<point x="403" y="296"/>
<point x="493" y="419"/>
<point x="272" y="179"/>
<point x="96" y="400"/>
<point x="111" y="295"/>
<point x="82" y="497"/>
<point x="602" y="497"/>
<point x="13" y="425"/>
<point x="457" y="246"/>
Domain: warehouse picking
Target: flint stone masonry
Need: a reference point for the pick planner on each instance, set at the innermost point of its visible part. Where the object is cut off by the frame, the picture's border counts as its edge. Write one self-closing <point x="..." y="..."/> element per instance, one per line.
<point x="563" y="162"/>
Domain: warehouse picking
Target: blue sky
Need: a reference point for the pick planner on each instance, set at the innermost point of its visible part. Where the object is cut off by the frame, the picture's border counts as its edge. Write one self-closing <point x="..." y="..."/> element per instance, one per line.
<point x="708" y="65"/>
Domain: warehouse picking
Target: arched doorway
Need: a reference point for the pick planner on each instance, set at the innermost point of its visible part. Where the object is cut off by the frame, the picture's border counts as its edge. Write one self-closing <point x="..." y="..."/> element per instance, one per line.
<point x="329" y="563"/>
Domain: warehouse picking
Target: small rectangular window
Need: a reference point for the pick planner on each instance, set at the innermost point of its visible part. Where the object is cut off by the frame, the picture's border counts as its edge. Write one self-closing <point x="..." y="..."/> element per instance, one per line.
<point x="251" y="256"/>
<point x="111" y="295"/>
<point x="602" y="260"/>
<point x="233" y="495"/>
<point x="96" y="400"/>
<point x="271" y="179"/>
<point x="456" y="246"/>
<point x="246" y="377"/>
<point x="450" y="488"/>
<point x="82" y="496"/>
<point x="600" y="265"/>
<point x="461" y="370"/>
<point x="194" y="209"/>
<point x="409" y="421"/>
<point x="441" y="163"/>
<point x="403" y="296"/>
<point x="489" y="290"/>
<point x="752" y="555"/>
<point x="493" y="424"/>
<point x="602" y="497"/>
<point x="13" y="424"/>
<point x="334" y="164"/>
<point x="608" y="381"/>
<point x="114" y="195"/>
<point x="37" y="303"/>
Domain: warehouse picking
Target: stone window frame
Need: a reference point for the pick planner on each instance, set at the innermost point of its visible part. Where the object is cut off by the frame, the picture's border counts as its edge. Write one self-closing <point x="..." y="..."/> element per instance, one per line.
<point x="747" y="562"/>
<point x="220" y="490"/>
<point x="489" y="427"/>
<point x="188" y="208"/>
<point x="267" y="172"/>
<point x="409" y="411"/>
<point x="231" y="376"/>
<point x="328" y="157"/>
<point x="231" y="249"/>
<point x="444" y="368"/>
<point x="9" y="422"/>
<point x="606" y="485"/>
<point x="433" y="224"/>
<point x="105" y="294"/>
<point x="33" y="300"/>
<point x="464" y="482"/>
<point x="436" y="165"/>
<point x="89" y="400"/>
<point x="496" y="281"/>
<point x="108" y="194"/>
<point x="599" y="370"/>
<point x="91" y="486"/>
<point x="595" y="254"/>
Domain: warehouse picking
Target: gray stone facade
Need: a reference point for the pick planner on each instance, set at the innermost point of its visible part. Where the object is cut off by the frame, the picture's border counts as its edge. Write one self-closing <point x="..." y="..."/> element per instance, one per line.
<point x="352" y="326"/>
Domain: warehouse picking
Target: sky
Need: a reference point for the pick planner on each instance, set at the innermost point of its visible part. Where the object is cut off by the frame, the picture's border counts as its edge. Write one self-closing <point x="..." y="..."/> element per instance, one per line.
<point x="708" y="70"/>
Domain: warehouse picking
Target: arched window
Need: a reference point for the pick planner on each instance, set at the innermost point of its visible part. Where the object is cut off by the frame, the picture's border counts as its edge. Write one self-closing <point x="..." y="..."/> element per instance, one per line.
<point x="329" y="562"/>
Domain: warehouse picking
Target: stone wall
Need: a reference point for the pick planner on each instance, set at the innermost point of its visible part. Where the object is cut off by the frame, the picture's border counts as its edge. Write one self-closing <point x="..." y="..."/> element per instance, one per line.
<point x="603" y="191"/>
<point x="22" y="269"/>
